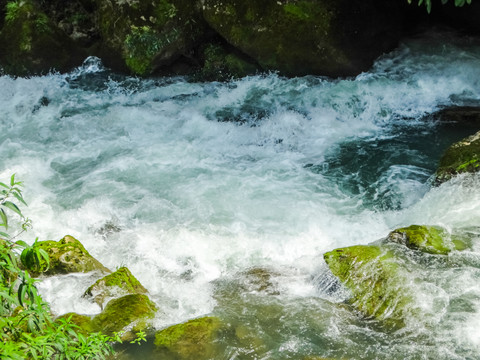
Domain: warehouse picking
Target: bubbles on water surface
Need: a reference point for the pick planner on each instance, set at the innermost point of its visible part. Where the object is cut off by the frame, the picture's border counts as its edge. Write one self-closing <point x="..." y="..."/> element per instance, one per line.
<point x="191" y="183"/>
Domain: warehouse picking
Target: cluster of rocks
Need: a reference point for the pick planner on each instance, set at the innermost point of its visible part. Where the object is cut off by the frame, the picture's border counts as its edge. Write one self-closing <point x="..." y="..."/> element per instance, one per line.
<point x="211" y="39"/>
<point x="375" y="273"/>
<point x="376" y="276"/>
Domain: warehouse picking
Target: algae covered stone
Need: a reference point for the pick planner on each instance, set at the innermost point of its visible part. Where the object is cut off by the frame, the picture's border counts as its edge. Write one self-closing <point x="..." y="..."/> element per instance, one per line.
<point x="194" y="339"/>
<point x="30" y="43"/>
<point x="299" y="37"/>
<point x="69" y="255"/>
<point x="429" y="239"/>
<point x="127" y="315"/>
<point x="461" y="157"/>
<point x="149" y="34"/>
<point x="375" y="280"/>
<point x="116" y="284"/>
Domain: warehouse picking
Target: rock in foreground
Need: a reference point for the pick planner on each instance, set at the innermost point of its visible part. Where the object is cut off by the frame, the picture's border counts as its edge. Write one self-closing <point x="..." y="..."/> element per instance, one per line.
<point x="68" y="256"/>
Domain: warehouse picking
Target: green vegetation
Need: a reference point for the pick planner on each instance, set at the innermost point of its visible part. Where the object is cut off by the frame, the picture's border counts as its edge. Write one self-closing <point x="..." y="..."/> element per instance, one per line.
<point x="27" y="329"/>
<point x="428" y="3"/>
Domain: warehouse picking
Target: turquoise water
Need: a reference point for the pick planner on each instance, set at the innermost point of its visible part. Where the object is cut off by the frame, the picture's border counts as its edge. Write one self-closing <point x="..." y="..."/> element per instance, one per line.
<point x="191" y="185"/>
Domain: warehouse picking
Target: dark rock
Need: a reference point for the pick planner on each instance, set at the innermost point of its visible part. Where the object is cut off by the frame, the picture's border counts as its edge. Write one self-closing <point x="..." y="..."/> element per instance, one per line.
<point x="148" y="35"/>
<point x="461" y="157"/>
<point x="30" y="42"/>
<point x="321" y="37"/>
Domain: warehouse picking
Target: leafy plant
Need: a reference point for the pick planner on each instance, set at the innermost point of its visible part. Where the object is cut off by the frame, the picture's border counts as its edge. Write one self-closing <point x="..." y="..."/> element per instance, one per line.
<point x="428" y="3"/>
<point x="27" y="330"/>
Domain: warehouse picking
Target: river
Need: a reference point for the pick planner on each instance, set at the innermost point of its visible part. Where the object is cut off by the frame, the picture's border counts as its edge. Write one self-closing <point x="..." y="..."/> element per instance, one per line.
<point x="199" y="187"/>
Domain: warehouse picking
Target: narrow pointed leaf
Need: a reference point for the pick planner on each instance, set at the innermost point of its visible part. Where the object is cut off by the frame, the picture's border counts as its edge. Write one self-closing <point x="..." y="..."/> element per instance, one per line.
<point x="19" y="198"/>
<point x="4" y="219"/>
<point x="12" y="207"/>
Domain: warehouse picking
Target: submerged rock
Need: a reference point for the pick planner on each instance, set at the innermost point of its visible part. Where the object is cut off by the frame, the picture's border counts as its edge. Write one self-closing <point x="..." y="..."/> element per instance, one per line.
<point x="126" y="315"/>
<point x="318" y="37"/>
<point x="375" y="280"/>
<point x="193" y="340"/>
<point x="429" y="239"/>
<point x="461" y="157"/>
<point x="68" y="255"/>
<point x="116" y="284"/>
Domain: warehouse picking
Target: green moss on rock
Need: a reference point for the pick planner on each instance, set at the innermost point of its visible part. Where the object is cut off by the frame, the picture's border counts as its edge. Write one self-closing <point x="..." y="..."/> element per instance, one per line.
<point x="116" y="284"/>
<point x="149" y="35"/>
<point x="299" y="37"/>
<point x="31" y="43"/>
<point x="194" y="339"/>
<point x="126" y="315"/>
<point x="68" y="255"/>
<point x="461" y="157"/>
<point x="374" y="278"/>
<point x="429" y="239"/>
<point x="220" y="65"/>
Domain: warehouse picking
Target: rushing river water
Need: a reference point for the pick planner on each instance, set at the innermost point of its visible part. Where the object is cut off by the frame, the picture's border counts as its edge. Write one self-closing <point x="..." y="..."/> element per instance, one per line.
<point x="200" y="187"/>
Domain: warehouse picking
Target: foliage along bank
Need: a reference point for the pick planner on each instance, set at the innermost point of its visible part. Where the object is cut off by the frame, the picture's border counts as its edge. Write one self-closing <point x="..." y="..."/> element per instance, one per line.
<point x="209" y="39"/>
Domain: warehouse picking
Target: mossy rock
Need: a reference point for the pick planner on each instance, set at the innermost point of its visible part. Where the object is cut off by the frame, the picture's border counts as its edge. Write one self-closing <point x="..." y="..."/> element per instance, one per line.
<point x="68" y="256"/>
<point x="300" y="37"/>
<point x="194" y="339"/>
<point x="149" y="35"/>
<point x="375" y="280"/>
<point x="220" y="64"/>
<point x="30" y="42"/>
<point x="126" y="315"/>
<point x="429" y="239"/>
<point x="461" y="157"/>
<point x="84" y="322"/>
<point x="116" y="284"/>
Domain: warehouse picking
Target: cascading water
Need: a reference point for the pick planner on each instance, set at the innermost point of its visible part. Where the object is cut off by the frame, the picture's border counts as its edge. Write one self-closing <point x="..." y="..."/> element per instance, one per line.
<point x="192" y="184"/>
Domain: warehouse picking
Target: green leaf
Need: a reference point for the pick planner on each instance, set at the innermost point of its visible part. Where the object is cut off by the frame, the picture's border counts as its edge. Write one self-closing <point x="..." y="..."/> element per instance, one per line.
<point x="13" y="207"/>
<point x="4" y="235"/>
<point x="3" y="216"/>
<point x="44" y="255"/>
<point x="19" y="197"/>
<point x="21" y="243"/>
<point x="4" y="185"/>
<point x="22" y="289"/>
<point x="12" y="180"/>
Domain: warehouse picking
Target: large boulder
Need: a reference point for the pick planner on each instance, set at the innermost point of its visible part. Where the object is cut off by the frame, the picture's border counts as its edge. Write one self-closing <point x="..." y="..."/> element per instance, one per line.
<point x="116" y="284"/>
<point x="193" y="340"/>
<point x="126" y="315"/>
<point x="30" y="43"/>
<point x="461" y="157"/>
<point x="148" y="35"/>
<point x="375" y="280"/>
<point x="299" y="37"/>
<point x="69" y="255"/>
